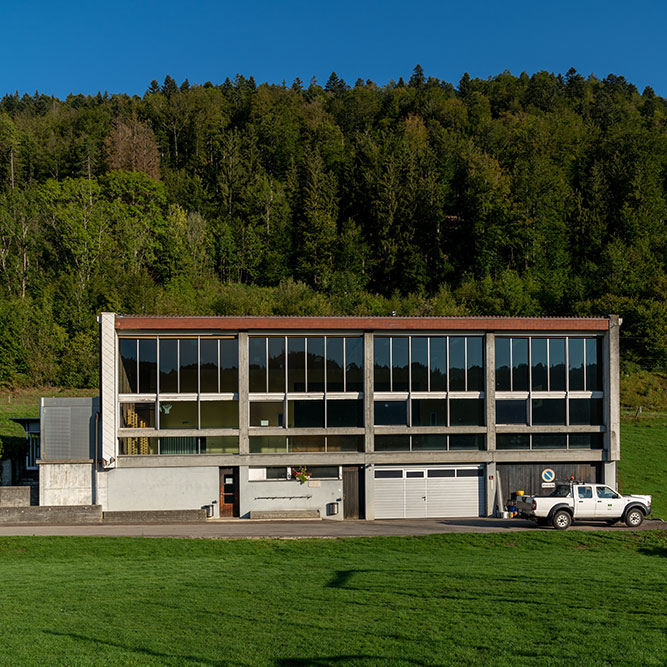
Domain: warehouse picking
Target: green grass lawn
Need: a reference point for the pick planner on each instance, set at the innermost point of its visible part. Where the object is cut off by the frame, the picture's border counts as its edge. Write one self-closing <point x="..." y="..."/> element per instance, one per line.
<point x="523" y="599"/>
<point x="643" y="464"/>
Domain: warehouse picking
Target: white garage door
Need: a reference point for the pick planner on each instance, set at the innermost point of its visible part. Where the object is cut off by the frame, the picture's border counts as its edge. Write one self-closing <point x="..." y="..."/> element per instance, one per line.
<point x="403" y="492"/>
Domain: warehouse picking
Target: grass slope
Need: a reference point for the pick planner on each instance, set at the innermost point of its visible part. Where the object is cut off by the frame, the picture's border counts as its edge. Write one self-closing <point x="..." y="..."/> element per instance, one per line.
<point x="545" y="598"/>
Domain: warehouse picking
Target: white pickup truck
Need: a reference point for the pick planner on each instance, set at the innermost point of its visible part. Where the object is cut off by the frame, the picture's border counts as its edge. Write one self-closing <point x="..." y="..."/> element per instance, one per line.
<point x="589" y="502"/>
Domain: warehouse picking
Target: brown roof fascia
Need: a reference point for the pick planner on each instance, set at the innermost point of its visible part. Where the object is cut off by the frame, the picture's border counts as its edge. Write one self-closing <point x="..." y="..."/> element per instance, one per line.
<point x="259" y="323"/>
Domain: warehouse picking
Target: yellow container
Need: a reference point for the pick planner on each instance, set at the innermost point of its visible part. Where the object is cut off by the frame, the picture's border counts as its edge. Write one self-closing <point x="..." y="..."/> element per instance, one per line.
<point x="519" y="493"/>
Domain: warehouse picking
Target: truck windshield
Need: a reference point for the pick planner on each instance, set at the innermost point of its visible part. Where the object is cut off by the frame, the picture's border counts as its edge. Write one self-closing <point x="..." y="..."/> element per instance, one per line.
<point x="561" y="491"/>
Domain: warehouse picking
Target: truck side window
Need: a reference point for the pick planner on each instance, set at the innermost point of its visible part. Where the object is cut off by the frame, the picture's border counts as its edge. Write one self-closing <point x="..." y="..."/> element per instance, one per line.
<point x="606" y="492"/>
<point x="585" y="492"/>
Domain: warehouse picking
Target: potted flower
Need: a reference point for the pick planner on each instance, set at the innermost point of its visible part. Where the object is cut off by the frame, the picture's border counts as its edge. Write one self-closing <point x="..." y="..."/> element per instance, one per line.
<point x="301" y="474"/>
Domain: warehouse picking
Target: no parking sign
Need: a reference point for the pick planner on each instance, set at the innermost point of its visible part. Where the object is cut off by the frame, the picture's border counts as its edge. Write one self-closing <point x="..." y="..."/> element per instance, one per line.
<point x="548" y="477"/>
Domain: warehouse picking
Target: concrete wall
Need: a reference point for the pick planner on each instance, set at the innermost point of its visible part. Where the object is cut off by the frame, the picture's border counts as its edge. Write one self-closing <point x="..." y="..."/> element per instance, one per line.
<point x="280" y="495"/>
<point x="66" y="483"/>
<point x="14" y="496"/>
<point x="63" y="515"/>
<point x="161" y="488"/>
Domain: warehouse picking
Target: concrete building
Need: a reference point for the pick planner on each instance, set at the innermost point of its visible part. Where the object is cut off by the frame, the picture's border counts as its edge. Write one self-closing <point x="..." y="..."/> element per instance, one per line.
<point x="354" y="417"/>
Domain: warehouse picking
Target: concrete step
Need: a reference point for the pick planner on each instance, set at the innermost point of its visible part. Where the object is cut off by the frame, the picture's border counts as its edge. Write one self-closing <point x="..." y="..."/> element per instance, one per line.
<point x="66" y="515"/>
<point x="285" y="514"/>
<point x="155" y="516"/>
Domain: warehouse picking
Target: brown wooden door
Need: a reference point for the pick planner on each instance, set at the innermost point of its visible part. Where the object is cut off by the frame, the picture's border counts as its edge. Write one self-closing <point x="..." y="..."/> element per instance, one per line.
<point x="229" y="492"/>
<point x="352" y="492"/>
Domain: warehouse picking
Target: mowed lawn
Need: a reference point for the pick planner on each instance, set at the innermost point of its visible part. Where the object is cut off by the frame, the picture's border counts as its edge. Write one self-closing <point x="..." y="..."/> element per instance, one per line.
<point x="540" y="599"/>
<point x="643" y="464"/>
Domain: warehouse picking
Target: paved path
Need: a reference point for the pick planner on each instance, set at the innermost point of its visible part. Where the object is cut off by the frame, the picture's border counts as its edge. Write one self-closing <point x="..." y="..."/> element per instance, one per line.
<point x="297" y="529"/>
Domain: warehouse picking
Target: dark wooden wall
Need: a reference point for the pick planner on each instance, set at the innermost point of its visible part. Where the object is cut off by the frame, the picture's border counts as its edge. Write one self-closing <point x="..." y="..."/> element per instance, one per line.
<point x="528" y="476"/>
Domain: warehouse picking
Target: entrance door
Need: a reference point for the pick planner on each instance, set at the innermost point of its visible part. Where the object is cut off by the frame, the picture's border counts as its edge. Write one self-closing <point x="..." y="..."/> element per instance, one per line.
<point x="352" y="493"/>
<point x="229" y="492"/>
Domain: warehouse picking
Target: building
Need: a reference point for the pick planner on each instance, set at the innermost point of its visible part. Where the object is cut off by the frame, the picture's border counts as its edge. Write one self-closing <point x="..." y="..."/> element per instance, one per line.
<point x="388" y="417"/>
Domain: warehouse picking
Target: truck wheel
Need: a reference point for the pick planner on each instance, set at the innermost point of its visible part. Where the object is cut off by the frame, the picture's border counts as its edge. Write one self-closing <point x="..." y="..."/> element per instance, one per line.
<point x="634" y="518"/>
<point x="561" y="520"/>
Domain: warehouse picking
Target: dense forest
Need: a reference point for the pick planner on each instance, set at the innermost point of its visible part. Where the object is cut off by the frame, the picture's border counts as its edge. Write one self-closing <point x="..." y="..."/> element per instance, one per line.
<point x="528" y="195"/>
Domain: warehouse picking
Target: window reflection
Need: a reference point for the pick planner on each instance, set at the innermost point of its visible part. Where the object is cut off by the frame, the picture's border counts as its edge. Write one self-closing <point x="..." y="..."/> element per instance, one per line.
<point x="335" y="371"/>
<point x="147" y="365"/>
<point x="315" y="362"/>
<point x="168" y="366"/>
<point x="354" y="364"/>
<point x="399" y="364"/>
<point x="188" y="365"/>
<point x="296" y="364"/>
<point x="419" y="364"/>
<point x="257" y="364"/>
<point x="438" y="363"/>
<point x="276" y="364"/>
<point x="457" y="363"/>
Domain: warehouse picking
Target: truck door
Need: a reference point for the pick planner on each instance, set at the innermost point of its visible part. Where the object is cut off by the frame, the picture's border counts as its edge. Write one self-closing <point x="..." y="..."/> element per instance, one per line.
<point x="584" y="503"/>
<point x="609" y="504"/>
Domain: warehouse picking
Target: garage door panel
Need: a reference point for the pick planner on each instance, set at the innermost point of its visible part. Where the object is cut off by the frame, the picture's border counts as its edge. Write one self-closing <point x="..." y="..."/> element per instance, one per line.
<point x="443" y="492"/>
<point x="389" y="499"/>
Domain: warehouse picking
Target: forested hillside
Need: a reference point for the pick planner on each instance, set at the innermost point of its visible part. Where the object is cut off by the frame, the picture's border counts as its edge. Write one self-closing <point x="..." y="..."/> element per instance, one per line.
<point x="541" y="195"/>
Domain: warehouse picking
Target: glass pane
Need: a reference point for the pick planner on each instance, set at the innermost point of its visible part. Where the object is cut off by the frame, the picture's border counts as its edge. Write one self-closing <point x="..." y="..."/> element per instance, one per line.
<point x="593" y="365"/>
<point x="323" y="472"/>
<point x="470" y="472"/>
<point x="392" y="443"/>
<point x="414" y="473"/>
<point x="208" y="366"/>
<point x="388" y="474"/>
<point x="335" y="364"/>
<point x="557" y="364"/>
<point x="419" y="375"/>
<point x="429" y="412"/>
<point x="188" y="365"/>
<point x="342" y="414"/>
<point x="503" y="382"/>
<point x="586" y="411"/>
<point x="430" y="441"/>
<point x="354" y="364"/>
<point x="539" y="363"/>
<point x="438" y="363"/>
<point x="381" y="363"/>
<point x="305" y="414"/>
<point x="257" y="355"/>
<point x="391" y="413"/>
<point x="550" y="441"/>
<point x="178" y="414"/>
<point x="168" y="366"/>
<point x="399" y="364"/>
<point x="548" y="411"/>
<point x="519" y="364"/>
<point x="219" y="444"/>
<point x="219" y="414"/>
<point x="466" y="412"/>
<point x="229" y="365"/>
<point x="305" y="443"/>
<point x="186" y="445"/>
<point x="137" y="446"/>
<point x="457" y="363"/>
<point x="345" y="443"/>
<point x="275" y="472"/>
<point x="440" y="473"/>
<point x="268" y="444"/>
<point x="127" y="379"/>
<point x="585" y="440"/>
<point x="512" y="441"/>
<point x="466" y="441"/>
<point x="147" y="365"/>
<point x="576" y="363"/>
<point x="277" y="364"/>
<point x="137" y="415"/>
<point x="315" y="349"/>
<point x="267" y="413"/>
<point x="296" y="364"/>
<point x="475" y="364"/>
<point x="511" y="412"/>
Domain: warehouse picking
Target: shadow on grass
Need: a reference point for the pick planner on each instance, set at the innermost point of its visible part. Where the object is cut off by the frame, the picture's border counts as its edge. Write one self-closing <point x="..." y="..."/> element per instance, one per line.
<point x="144" y="651"/>
<point x="653" y="551"/>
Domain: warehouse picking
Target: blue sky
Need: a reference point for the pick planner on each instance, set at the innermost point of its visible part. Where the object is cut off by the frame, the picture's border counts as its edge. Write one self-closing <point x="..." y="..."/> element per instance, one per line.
<point x="120" y="46"/>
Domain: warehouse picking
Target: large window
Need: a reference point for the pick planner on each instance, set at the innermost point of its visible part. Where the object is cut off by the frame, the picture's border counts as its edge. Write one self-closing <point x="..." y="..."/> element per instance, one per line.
<point x="428" y="363"/>
<point x="434" y="442"/>
<point x="556" y="364"/>
<point x="306" y="364"/>
<point x="187" y="365"/>
<point x="549" y="441"/>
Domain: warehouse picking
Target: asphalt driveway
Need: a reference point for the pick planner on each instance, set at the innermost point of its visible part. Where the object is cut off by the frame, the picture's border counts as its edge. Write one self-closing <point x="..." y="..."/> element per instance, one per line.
<point x="291" y="529"/>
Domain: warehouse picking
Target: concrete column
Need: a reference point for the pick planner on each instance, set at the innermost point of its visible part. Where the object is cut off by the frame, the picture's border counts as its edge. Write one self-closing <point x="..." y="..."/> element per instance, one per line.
<point x="369" y="488"/>
<point x="491" y="485"/>
<point x="490" y="391"/>
<point x="108" y="386"/>
<point x="611" y="387"/>
<point x="244" y="406"/>
<point x="245" y="501"/>
<point x="609" y="474"/>
<point x="369" y="416"/>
